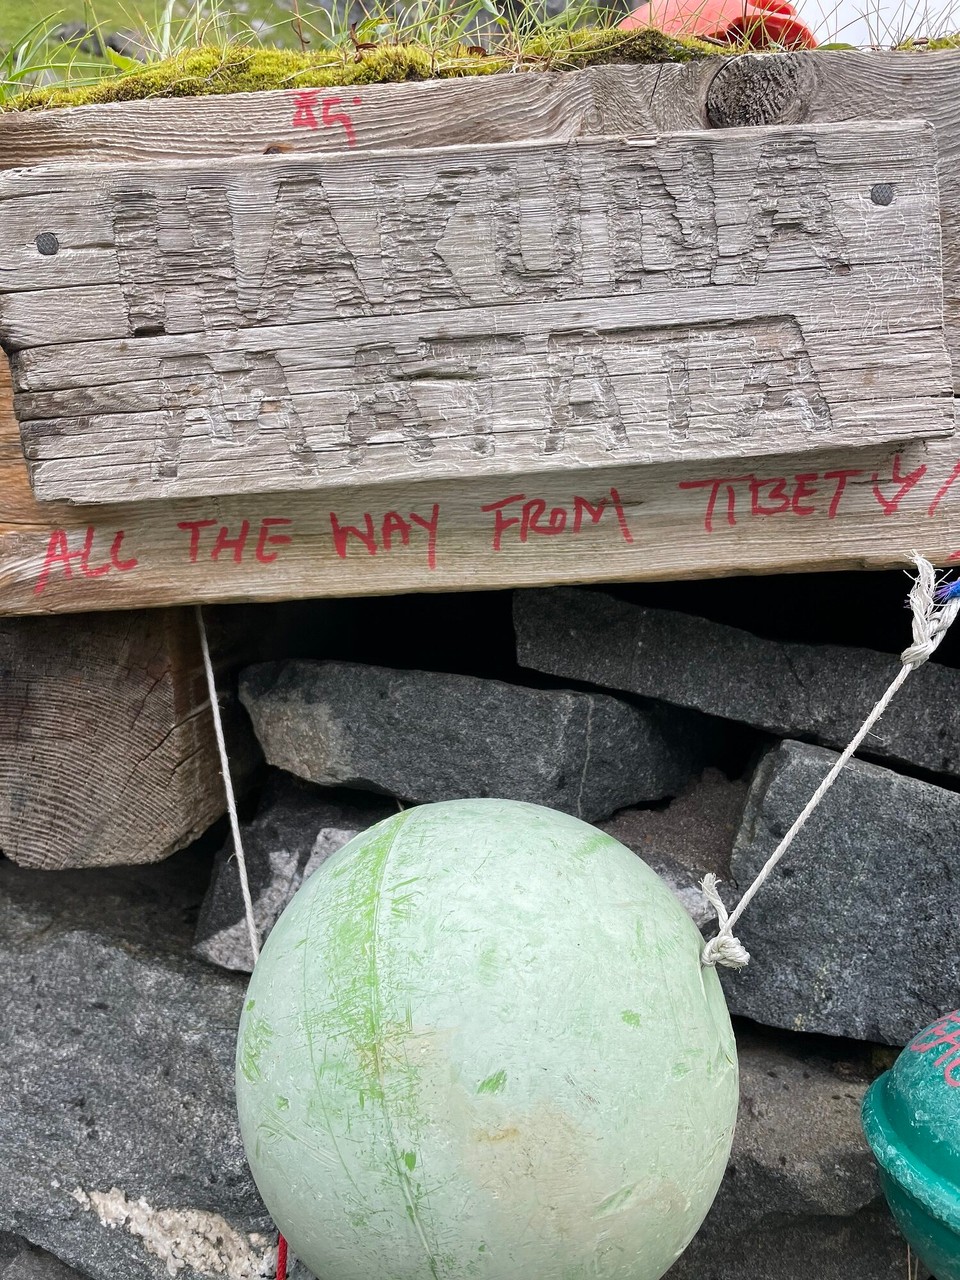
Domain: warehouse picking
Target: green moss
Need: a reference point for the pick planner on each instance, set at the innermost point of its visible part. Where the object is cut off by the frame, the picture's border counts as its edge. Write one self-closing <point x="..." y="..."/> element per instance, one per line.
<point x="934" y="45"/>
<point x="243" y="69"/>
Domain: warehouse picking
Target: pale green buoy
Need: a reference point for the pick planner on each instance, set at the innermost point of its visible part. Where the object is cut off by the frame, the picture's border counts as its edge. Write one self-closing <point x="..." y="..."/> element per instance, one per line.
<point x="479" y="1043"/>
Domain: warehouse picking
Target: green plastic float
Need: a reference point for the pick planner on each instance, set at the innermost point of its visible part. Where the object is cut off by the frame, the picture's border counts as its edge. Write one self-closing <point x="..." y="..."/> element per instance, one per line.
<point x="911" y="1117"/>
<point x="480" y="1043"/>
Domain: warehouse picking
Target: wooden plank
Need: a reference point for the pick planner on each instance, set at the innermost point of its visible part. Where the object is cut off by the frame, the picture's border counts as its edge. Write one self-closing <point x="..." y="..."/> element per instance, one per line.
<point x="303" y="322"/>
<point x="107" y="750"/>
<point x="809" y="88"/>
<point x="644" y="101"/>
<point x="485" y="109"/>
<point x="757" y="525"/>
<point x="863" y="508"/>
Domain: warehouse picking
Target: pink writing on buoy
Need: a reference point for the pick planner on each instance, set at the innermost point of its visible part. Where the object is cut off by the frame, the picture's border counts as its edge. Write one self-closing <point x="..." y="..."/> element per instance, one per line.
<point x="944" y="1032"/>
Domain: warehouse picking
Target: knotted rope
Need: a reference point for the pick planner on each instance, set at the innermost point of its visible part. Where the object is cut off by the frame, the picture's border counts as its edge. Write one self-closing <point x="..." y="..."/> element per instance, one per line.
<point x="934" y="609"/>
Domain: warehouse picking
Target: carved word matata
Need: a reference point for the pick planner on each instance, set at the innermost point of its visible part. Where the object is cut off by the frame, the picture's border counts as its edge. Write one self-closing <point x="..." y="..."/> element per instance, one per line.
<point x="302" y="321"/>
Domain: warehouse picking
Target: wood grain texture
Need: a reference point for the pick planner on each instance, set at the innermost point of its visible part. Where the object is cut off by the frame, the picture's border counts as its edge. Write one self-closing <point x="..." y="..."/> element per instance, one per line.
<point x="845" y="510"/>
<point x="107" y="752"/>
<point x="480" y="109"/>
<point x="302" y="323"/>
<point x="805" y="88"/>
<point x="858" y="508"/>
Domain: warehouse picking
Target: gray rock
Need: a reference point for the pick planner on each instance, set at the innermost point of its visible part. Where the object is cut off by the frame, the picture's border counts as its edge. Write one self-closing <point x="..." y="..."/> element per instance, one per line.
<point x="296" y="828"/>
<point x="425" y="736"/>
<point x="854" y="934"/>
<point x="821" y="692"/>
<point x="694" y="834"/>
<point x="119" y="1147"/>
<point x="863" y="1246"/>
<point x="19" y="1260"/>
<point x="79" y="34"/>
<point x="800" y="1196"/>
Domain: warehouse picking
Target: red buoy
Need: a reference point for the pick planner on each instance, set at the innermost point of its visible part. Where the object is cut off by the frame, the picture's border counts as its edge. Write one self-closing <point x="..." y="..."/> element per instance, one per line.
<point x="761" y="24"/>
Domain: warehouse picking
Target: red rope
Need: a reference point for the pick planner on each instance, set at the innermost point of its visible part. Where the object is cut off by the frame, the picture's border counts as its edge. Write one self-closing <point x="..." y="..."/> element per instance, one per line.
<point x="281" y="1258"/>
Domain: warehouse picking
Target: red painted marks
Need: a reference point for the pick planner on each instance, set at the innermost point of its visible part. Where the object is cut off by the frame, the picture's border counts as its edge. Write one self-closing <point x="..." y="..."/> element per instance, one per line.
<point x="515" y="520"/>
<point x="841" y="478"/>
<point x="267" y="539"/>
<point x="806" y="493"/>
<point x="60" y="555"/>
<point x="305" y="103"/>
<point x="944" y="490"/>
<point x="715" y="486"/>
<point x="378" y="537"/>
<point x="223" y="542"/>
<point x="233" y="543"/>
<point x="529" y="516"/>
<point x="891" y="505"/>
<point x="945" y="1032"/>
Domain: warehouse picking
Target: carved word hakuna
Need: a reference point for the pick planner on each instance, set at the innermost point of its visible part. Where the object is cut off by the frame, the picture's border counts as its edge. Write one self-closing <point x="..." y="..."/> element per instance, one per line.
<point x="299" y="246"/>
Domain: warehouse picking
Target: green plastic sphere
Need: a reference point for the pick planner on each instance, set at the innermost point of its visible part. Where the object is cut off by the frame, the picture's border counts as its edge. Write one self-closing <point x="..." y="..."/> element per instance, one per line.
<point x="479" y="1043"/>
<point x="911" y="1116"/>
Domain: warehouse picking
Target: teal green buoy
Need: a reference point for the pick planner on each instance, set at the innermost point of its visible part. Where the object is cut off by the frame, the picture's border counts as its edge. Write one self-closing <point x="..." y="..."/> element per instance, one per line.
<point x="911" y="1117"/>
<point x="479" y="1045"/>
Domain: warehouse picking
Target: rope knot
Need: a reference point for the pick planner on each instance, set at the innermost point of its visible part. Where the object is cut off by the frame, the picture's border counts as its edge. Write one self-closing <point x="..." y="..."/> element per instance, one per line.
<point x="724" y="949"/>
<point x="933" y="609"/>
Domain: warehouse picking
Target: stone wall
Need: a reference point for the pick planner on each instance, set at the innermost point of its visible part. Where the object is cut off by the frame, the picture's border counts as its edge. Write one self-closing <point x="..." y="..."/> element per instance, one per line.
<point x="690" y="721"/>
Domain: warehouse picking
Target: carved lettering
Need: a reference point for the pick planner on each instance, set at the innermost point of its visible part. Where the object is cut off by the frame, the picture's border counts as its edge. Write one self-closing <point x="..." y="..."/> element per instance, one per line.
<point x="411" y="229"/>
<point x="662" y="219"/>
<point x="229" y="399"/>
<point x="792" y="223"/>
<point x="308" y="273"/>
<point x="538" y="237"/>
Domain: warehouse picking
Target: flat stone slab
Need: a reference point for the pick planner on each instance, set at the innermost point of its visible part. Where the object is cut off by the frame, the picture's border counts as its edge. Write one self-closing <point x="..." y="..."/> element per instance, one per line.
<point x="694" y="834"/>
<point x="855" y="932"/>
<point x="297" y="826"/>
<point x="425" y="736"/>
<point x="793" y="690"/>
<point x="801" y="1182"/>
<point x="120" y="1151"/>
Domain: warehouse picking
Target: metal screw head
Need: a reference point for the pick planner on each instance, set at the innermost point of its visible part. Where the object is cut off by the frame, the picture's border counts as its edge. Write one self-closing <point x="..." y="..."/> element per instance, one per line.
<point x="882" y="193"/>
<point x="48" y="244"/>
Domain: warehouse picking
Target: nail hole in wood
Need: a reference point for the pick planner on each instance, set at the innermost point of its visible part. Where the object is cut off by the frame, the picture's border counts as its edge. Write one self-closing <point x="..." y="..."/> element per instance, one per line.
<point x="48" y="244"/>
<point x="882" y="193"/>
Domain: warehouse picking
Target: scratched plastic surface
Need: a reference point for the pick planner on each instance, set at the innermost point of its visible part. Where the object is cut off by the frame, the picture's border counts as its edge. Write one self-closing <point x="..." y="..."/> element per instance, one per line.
<point x="911" y="1117"/>
<point x="479" y="1043"/>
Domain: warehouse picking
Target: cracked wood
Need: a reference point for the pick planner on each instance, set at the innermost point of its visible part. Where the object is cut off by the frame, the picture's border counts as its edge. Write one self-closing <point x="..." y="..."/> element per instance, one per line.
<point x="303" y="322"/>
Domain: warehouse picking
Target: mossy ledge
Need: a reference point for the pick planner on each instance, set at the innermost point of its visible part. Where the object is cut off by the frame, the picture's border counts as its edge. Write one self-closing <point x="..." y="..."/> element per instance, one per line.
<point x="248" y="69"/>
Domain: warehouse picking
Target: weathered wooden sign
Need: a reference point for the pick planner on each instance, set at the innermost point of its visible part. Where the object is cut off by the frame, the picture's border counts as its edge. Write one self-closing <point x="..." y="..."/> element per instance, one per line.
<point x="797" y="509"/>
<point x="292" y="322"/>
<point x="851" y="508"/>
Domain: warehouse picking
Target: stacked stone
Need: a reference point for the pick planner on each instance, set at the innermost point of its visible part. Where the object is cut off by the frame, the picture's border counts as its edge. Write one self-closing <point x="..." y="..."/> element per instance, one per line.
<point x="693" y="743"/>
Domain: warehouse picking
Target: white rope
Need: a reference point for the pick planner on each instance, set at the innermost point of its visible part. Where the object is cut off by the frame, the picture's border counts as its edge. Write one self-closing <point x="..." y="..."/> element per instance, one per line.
<point x="228" y="787"/>
<point x="930" y="623"/>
